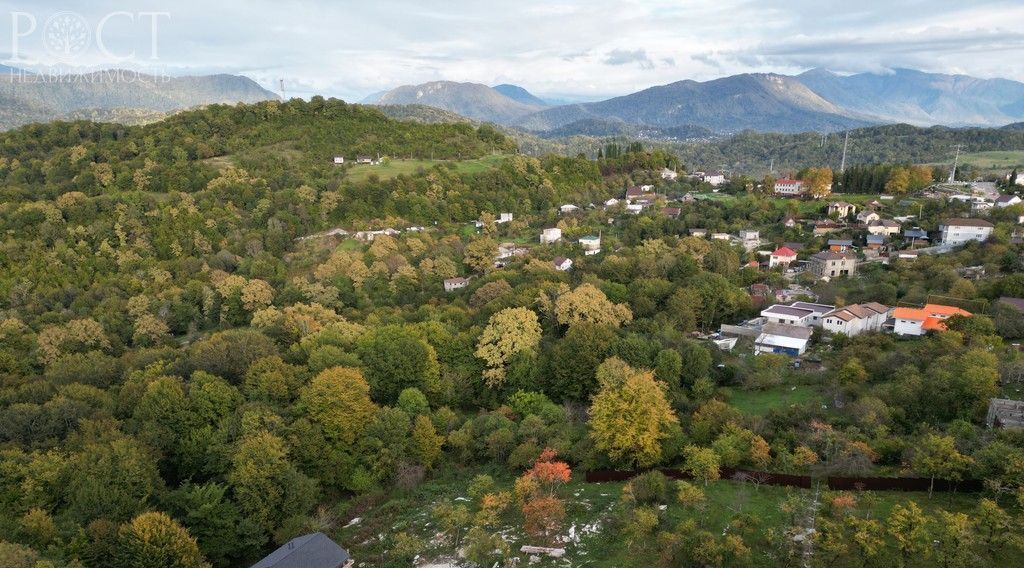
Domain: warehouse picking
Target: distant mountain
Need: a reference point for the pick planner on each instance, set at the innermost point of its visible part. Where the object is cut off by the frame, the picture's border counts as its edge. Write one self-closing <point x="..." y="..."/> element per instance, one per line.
<point x="421" y="113"/>
<point x="605" y="128"/>
<point x="1014" y="126"/>
<point x="373" y="99"/>
<point x="110" y="94"/>
<point x="517" y="93"/>
<point x="765" y="102"/>
<point x="916" y="97"/>
<point x="471" y="100"/>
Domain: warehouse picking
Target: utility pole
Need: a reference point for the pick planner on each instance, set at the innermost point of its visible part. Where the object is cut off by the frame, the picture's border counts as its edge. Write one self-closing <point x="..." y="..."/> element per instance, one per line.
<point x="281" y="83"/>
<point x="846" y="143"/>
<point x="956" y="162"/>
<point x="771" y="167"/>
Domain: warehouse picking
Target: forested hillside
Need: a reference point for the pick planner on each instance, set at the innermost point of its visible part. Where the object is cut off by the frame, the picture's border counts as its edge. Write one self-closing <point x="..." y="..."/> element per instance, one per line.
<point x="191" y="376"/>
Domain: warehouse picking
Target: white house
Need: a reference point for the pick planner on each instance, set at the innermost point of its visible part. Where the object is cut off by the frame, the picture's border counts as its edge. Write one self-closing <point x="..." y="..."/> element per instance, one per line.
<point x="829" y="264"/>
<point x="562" y="263"/>
<point x="504" y="218"/>
<point x="868" y="215"/>
<point x="886" y="227"/>
<point x="668" y="174"/>
<point x="591" y="244"/>
<point x="749" y="235"/>
<point x="568" y="208"/>
<point x="803" y="314"/>
<point x="919" y="321"/>
<point x="783" y="339"/>
<point x="856" y="319"/>
<point x="1007" y="201"/>
<point x="841" y="208"/>
<point x="720" y="236"/>
<point x="635" y="208"/>
<point x="611" y="202"/>
<point x="1019" y="180"/>
<point x="367" y="160"/>
<point x="339" y="160"/>
<point x="552" y="235"/>
<point x="713" y="178"/>
<point x="789" y="187"/>
<point x="960" y="231"/>
<point x="453" y="284"/>
<point x="782" y="256"/>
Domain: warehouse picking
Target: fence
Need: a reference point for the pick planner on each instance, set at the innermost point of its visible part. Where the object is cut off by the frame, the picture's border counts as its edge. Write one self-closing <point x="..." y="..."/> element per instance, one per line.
<point x="805" y="481"/>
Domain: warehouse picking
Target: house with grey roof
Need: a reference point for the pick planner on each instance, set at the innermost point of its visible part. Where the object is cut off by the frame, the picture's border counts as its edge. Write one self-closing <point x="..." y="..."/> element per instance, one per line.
<point x="314" y="550"/>
<point x="783" y="339"/>
<point x="829" y="264"/>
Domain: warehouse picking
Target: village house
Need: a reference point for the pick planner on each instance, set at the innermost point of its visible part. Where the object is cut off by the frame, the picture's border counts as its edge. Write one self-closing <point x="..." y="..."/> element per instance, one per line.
<point x="840" y="245"/>
<point x="453" y="284"/>
<point x="960" y="231"/>
<point x="370" y="160"/>
<point x="314" y="550"/>
<point x="1007" y="201"/>
<point x="883" y="227"/>
<point x="640" y="192"/>
<point x="338" y="160"/>
<point x="829" y="264"/>
<point x="805" y="314"/>
<point x="591" y="244"/>
<point x="698" y="232"/>
<point x="672" y="212"/>
<point x="713" y="178"/>
<point x="874" y="242"/>
<point x="824" y="227"/>
<point x="635" y="208"/>
<point x="611" y="202"/>
<point x="918" y="321"/>
<point x="856" y="319"/>
<point x="1017" y="303"/>
<point x="783" y="339"/>
<point x="914" y="235"/>
<point x="568" y="208"/>
<point x="867" y="216"/>
<point x="550" y="235"/>
<point x="907" y="254"/>
<point x="789" y="187"/>
<point x="782" y="256"/>
<point x="504" y="218"/>
<point x="1019" y="180"/>
<point x="720" y="236"/>
<point x="562" y="263"/>
<point x="789" y="222"/>
<point x="669" y="175"/>
<point x="841" y="208"/>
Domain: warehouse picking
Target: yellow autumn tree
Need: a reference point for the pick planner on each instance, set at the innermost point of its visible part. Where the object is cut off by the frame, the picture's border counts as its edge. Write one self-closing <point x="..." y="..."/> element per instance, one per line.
<point x="338" y="399"/>
<point x="630" y="417"/>
<point x="155" y="539"/>
<point x="508" y="332"/>
<point x="589" y="304"/>
<point x="819" y="181"/>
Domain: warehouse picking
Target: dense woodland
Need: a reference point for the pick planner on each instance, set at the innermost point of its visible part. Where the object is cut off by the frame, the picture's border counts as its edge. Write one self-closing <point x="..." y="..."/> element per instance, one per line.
<point x="184" y="382"/>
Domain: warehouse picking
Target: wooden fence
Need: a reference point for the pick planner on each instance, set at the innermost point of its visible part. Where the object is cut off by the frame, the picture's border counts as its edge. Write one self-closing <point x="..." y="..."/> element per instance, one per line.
<point x="805" y="481"/>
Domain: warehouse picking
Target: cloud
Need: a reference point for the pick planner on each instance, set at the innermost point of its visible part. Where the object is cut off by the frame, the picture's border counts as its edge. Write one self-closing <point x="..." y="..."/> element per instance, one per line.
<point x="568" y="47"/>
<point x="625" y="57"/>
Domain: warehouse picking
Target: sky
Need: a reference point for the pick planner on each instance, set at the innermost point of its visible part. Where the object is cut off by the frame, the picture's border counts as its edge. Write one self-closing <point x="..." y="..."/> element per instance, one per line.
<point x="561" y="49"/>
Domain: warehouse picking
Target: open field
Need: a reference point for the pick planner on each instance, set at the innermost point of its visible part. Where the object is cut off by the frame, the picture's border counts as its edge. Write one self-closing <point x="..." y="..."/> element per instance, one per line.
<point x="395" y="168"/>
<point x="995" y="160"/>
<point x="590" y="533"/>
<point x="759" y="402"/>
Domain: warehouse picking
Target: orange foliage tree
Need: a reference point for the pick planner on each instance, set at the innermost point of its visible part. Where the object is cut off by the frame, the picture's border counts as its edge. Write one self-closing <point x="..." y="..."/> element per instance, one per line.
<point x="537" y="490"/>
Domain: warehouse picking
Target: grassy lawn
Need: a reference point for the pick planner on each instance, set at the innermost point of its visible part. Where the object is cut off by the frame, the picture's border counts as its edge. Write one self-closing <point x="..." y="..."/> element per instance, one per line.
<point x="395" y="167"/>
<point x="759" y="402"/>
<point x="995" y="160"/>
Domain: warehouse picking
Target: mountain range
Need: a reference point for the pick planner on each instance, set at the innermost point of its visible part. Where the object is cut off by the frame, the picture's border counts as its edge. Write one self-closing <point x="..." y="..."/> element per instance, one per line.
<point x="817" y="100"/>
<point x="115" y="95"/>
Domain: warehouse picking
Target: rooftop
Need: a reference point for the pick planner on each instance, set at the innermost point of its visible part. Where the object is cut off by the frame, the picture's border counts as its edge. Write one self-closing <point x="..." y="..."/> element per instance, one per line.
<point x="967" y="223"/>
<point x="314" y="550"/>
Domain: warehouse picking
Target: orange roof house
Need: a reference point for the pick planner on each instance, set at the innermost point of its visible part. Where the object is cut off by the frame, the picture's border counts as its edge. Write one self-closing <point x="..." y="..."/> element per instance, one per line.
<point x="918" y="321"/>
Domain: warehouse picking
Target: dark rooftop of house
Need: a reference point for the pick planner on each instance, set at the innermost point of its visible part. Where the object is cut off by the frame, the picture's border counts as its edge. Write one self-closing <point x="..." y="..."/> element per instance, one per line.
<point x="314" y="550"/>
<point x="967" y="223"/>
<point x="1015" y="302"/>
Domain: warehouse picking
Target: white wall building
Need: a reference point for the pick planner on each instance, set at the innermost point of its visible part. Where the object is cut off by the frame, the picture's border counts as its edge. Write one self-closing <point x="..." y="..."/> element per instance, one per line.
<point x="791" y="187"/>
<point x="856" y="319"/>
<point x="783" y="339"/>
<point x="591" y="244"/>
<point x="552" y="235"/>
<point x="960" y="231"/>
<point x="802" y="314"/>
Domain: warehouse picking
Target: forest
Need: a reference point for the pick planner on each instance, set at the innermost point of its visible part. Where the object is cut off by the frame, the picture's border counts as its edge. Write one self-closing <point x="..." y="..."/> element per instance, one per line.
<point x="186" y="380"/>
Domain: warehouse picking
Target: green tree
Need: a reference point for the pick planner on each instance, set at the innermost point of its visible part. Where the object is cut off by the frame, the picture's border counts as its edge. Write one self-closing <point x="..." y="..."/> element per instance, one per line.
<point x="908" y="527"/>
<point x="394" y="358"/>
<point x="425" y="442"/>
<point x="154" y="540"/>
<point x="937" y="456"/>
<point x="701" y="463"/>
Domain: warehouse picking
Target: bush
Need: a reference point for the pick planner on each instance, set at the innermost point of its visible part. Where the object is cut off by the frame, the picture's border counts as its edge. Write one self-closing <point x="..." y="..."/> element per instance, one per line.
<point x="648" y="489"/>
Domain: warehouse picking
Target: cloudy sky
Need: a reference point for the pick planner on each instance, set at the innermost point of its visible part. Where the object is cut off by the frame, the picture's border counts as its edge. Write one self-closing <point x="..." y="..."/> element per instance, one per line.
<point x="586" y="49"/>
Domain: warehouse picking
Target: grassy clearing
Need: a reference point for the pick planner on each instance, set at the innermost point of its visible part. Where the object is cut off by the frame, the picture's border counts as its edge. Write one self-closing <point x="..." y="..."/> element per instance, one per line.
<point x="760" y="402"/>
<point x="591" y="533"/>
<point x="396" y="167"/>
<point x="995" y="160"/>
